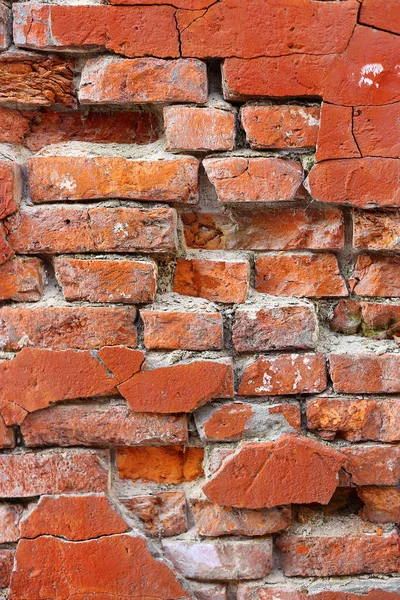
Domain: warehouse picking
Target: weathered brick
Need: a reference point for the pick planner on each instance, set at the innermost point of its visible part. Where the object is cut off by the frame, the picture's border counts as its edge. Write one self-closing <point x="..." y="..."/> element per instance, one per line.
<point x="5" y="26"/>
<point x="113" y="80"/>
<point x="21" y="279"/>
<point x="49" y="472"/>
<point x="234" y="28"/>
<point x="284" y="374"/>
<point x="199" y="129"/>
<point x="266" y="474"/>
<point x="236" y="420"/>
<point x="276" y="592"/>
<point x="178" y="388"/>
<point x="32" y="80"/>
<point x="209" y="591"/>
<point x="6" y="567"/>
<point x="36" y="129"/>
<point x="173" y="464"/>
<point x="376" y="230"/>
<point x="174" y="330"/>
<point x="296" y="592"/>
<point x="260" y="329"/>
<point x="336" y="136"/>
<point x="128" y="31"/>
<point x="7" y="436"/>
<point x="376" y="276"/>
<point x="99" y="426"/>
<point x="10" y="187"/>
<point x="212" y="520"/>
<point x="378" y="320"/>
<point x="64" y="327"/>
<point x="255" y="179"/>
<point x="365" y="373"/>
<point x="382" y="14"/>
<point x="220" y="561"/>
<point x="346" y="317"/>
<point x="372" y="465"/>
<point x="309" y="275"/>
<point x="6" y="252"/>
<point x="125" y="281"/>
<point x="217" y="280"/>
<point x="376" y="130"/>
<point x="69" y="230"/>
<point x="351" y="553"/>
<point x="381" y="504"/>
<point x="280" y="126"/>
<point x="355" y="420"/>
<point x="163" y="514"/>
<point x="62" y="177"/>
<point x="265" y="229"/>
<point x="10" y="517"/>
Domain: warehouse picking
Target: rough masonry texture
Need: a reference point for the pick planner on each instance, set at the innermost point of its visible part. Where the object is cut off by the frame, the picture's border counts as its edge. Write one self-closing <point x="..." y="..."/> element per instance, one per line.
<point x="200" y="300"/>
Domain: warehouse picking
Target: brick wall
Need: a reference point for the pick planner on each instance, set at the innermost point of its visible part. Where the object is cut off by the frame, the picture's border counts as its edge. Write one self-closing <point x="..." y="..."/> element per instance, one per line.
<point x="199" y="314"/>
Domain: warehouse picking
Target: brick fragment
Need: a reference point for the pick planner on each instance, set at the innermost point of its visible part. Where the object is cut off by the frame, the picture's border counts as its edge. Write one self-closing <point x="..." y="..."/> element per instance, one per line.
<point x="7" y="436"/>
<point x="64" y="327"/>
<point x="280" y="126"/>
<point x="49" y="472"/>
<point x="284" y="374"/>
<point x="21" y="279"/>
<point x="275" y="328"/>
<point x="377" y="320"/>
<point x="63" y="177"/>
<point x="199" y="129"/>
<point x="381" y="504"/>
<point x="163" y="514"/>
<point x="209" y="591"/>
<point x="336" y="137"/>
<point x="365" y="373"/>
<point x="223" y="281"/>
<point x="173" y="464"/>
<point x="266" y="474"/>
<point x="113" y="80"/>
<point x="212" y="520"/>
<point x="372" y="465"/>
<point x="241" y="179"/>
<point x="99" y="426"/>
<point x="69" y="230"/>
<point x="380" y="14"/>
<point x="302" y="275"/>
<point x="347" y="317"/>
<point x="124" y="281"/>
<point x="10" y="517"/>
<point x="376" y="276"/>
<point x="265" y="229"/>
<point x="6" y="567"/>
<point x="10" y="187"/>
<point x="376" y="129"/>
<point x="376" y="230"/>
<point x="256" y="592"/>
<point x="5" y="26"/>
<point x="231" y="560"/>
<point x="174" y="330"/>
<point x="6" y="252"/>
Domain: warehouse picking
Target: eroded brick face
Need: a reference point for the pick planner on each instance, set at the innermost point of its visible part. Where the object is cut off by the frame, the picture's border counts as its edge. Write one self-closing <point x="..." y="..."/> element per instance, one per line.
<point x="199" y="300"/>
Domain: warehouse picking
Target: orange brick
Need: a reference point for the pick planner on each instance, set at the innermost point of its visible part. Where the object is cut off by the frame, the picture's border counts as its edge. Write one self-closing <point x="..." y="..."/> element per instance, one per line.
<point x="199" y="129"/>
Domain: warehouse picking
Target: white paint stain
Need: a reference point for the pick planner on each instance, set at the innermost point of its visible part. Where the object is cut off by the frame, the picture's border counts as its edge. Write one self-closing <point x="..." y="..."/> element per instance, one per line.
<point x="372" y="69"/>
<point x="68" y="183"/>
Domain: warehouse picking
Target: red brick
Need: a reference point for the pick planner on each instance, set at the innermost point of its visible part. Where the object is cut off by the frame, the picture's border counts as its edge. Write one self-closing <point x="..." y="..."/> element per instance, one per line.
<point x="99" y="426"/>
<point x="128" y="31"/>
<point x="209" y="591"/>
<point x="243" y="179"/>
<point x="370" y="594"/>
<point x="10" y="187"/>
<point x="267" y="474"/>
<point x="36" y="129"/>
<point x="212" y="520"/>
<point x="113" y="80"/>
<point x="355" y="419"/>
<point x="336" y="137"/>
<point x="124" y="281"/>
<point x="365" y="373"/>
<point x="376" y="129"/>
<point x="265" y="229"/>
<point x="31" y="80"/>
<point x="251" y="592"/>
<point x="199" y="129"/>
<point x="310" y="275"/>
<point x="234" y="28"/>
<point x="361" y="182"/>
<point x="220" y="281"/>
<point x="351" y="553"/>
<point x="372" y="465"/>
<point x="49" y="472"/>
<point x="7" y="437"/>
<point x="382" y="14"/>
<point x="173" y="464"/>
<point x="346" y="317"/>
<point x="119" y="566"/>
<point x="163" y="514"/>
<point x="220" y="561"/>
<point x="186" y="4"/>
<point x="233" y="421"/>
<point x="6" y="252"/>
<point x="5" y="26"/>
<point x="66" y="177"/>
<point x="6" y="567"/>
<point x="380" y="320"/>
<point x="376" y="230"/>
<point x="276" y="328"/>
<point x="69" y="230"/>
<point x="381" y="504"/>
<point x="64" y="327"/>
<point x="75" y="518"/>
<point x="365" y="73"/>
<point x="36" y="378"/>
<point x="284" y="374"/>
<point x="280" y="126"/>
<point x="10" y="516"/>
<point x="377" y="276"/>
<point x="178" y="388"/>
<point x="21" y="280"/>
<point x="174" y="330"/>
